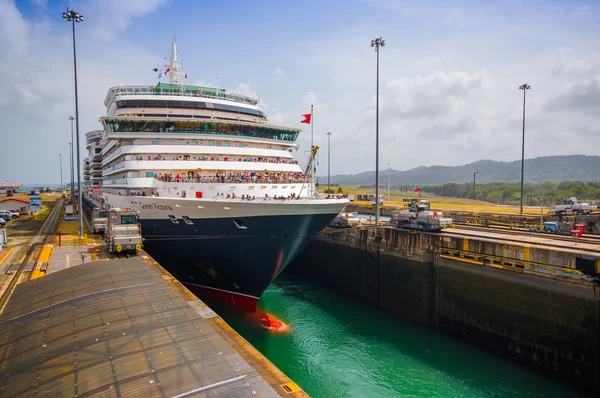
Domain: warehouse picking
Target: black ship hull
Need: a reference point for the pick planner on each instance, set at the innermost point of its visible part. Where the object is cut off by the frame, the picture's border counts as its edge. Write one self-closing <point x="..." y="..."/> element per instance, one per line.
<point x="233" y="260"/>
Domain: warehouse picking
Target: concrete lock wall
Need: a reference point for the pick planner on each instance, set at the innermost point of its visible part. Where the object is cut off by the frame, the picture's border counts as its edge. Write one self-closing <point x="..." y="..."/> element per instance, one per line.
<point x="512" y="251"/>
<point x="550" y="323"/>
<point x="373" y="273"/>
<point x="546" y="322"/>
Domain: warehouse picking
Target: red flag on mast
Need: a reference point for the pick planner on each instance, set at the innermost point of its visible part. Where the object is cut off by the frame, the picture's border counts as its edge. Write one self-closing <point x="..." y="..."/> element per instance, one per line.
<point x="306" y="118"/>
<point x="418" y="189"/>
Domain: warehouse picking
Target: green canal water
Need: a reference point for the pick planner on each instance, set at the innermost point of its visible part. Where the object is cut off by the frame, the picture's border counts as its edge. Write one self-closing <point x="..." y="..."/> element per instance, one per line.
<point x="338" y="347"/>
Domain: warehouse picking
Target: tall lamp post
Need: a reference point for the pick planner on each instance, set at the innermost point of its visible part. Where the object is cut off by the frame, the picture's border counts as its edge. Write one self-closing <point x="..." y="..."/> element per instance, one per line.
<point x="378" y="42"/>
<point x="523" y="87"/>
<point x="73" y="16"/>
<point x="329" y="163"/>
<point x="61" y="181"/>
<point x="72" y="119"/>
<point x="474" y="174"/>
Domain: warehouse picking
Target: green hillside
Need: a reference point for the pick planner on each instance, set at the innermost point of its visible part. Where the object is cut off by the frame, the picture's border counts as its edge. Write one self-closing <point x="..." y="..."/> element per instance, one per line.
<point x="539" y="170"/>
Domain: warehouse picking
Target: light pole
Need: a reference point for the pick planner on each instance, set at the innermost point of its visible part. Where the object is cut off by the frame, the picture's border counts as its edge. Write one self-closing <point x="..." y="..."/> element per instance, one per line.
<point x="61" y="181"/>
<point x="72" y="119"/>
<point x="523" y="87"/>
<point x="73" y="17"/>
<point x="474" y="174"/>
<point x="542" y="207"/>
<point x="329" y="163"/>
<point x="378" y="42"/>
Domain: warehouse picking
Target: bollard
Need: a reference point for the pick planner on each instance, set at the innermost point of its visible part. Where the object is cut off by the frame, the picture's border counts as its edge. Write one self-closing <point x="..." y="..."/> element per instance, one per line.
<point x="59" y="237"/>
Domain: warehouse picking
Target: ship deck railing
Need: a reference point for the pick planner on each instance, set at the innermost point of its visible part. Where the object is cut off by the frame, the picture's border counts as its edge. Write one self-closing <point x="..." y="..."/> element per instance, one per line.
<point x="286" y="179"/>
<point x="181" y="91"/>
<point x="228" y="158"/>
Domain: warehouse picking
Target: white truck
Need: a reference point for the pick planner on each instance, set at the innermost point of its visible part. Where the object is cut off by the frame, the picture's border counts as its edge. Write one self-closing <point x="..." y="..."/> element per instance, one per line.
<point x="570" y="206"/>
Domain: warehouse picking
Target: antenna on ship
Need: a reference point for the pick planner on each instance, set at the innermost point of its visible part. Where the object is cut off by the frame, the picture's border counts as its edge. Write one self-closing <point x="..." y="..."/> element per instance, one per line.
<point x="174" y="68"/>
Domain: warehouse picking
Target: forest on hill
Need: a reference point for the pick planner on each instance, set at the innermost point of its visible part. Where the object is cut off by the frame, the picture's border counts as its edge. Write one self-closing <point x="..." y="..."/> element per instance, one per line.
<point x="537" y="171"/>
<point x="510" y="193"/>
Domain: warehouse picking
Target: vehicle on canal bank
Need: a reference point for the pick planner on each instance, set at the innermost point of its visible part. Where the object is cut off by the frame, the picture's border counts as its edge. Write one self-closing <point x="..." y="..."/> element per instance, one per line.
<point x="570" y="206"/>
<point x="222" y="203"/>
<point x="419" y="216"/>
<point x="123" y="233"/>
<point x="345" y="220"/>
<point x="99" y="219"/>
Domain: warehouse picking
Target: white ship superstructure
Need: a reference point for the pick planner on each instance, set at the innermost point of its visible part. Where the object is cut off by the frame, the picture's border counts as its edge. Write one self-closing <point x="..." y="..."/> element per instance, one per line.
<point x="92" y="168"/>
<point x="223" y="204"/>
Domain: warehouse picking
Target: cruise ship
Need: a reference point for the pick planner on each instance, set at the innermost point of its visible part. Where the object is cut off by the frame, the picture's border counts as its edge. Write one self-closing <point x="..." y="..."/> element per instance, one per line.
<point x="223" y="204"/>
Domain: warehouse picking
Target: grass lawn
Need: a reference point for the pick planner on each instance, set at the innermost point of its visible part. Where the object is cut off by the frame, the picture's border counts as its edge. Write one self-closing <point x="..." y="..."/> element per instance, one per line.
<point x="69" y="227"/>
<point x="439" y="202"/>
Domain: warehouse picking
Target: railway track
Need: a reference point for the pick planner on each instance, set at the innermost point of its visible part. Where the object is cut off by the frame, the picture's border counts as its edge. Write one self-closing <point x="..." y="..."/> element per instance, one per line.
<point x="521" y="237"/>
<point x="591" y="239"/>
<point x="35" y="246"/>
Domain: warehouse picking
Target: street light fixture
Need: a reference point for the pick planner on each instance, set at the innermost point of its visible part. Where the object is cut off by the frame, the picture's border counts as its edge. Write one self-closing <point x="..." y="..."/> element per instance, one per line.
<point x="378" y="42"/>
<point x="61" y="181"/>
<point x="474" y="174"/>
<point x="523" y="87"/>
<point x="329" y="163"/>
<point x="72" y="119"/>
<point x="73" y="16"/>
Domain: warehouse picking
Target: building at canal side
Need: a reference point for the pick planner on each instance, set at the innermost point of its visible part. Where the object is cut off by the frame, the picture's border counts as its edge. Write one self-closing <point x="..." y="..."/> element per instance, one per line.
<point x="15" y="204"/>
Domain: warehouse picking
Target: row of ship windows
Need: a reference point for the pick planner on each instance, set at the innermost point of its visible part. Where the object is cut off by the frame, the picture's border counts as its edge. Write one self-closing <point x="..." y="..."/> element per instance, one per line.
<point x="216" y="158"/>
<point x="199" y="127"/>
<point x="225" y="144"/>
<point x="185" y="105"/>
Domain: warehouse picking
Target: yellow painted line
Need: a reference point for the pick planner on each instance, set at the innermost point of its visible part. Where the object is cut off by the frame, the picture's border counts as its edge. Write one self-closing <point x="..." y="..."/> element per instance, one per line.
<point x="45" y="255"/>
<point x="527" y="253"/>
<point x="6" y="255"/>
<point x="43" y="258"/>
<point x="36" y="273"/>
<point x="291" y="387"/>
<point x="465" y="244"/>
<point x="464" y="260"/>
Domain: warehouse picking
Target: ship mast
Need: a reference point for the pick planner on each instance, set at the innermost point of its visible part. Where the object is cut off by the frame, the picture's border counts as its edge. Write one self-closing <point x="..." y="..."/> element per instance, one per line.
<point x="175" y="69"/>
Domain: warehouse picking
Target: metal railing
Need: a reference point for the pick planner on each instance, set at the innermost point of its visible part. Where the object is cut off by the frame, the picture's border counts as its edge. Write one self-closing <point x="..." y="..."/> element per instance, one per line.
<point x="508" y="263"/>
<point x="179" y="90"/>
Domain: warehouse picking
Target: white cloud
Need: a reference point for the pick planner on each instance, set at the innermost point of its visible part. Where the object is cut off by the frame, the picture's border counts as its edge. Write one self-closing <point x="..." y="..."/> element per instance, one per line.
<point x="277" y="119"/>
<point x="106" y="17"/>
<point x="244" y="89"/>
<point x="448" y="79"/>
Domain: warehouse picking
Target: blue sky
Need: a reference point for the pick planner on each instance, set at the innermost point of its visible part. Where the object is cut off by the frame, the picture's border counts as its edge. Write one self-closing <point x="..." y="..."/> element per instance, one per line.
<point x="449" y="74"/>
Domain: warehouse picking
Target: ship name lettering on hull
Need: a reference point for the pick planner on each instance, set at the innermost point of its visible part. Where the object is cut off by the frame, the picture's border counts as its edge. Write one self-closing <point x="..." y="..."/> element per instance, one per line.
<point x="154" y="206"/>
